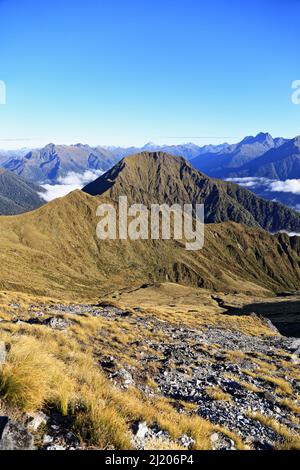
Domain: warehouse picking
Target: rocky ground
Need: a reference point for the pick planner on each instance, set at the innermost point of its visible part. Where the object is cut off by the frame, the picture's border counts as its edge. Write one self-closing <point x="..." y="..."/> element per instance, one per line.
<point x="245" y="383"/>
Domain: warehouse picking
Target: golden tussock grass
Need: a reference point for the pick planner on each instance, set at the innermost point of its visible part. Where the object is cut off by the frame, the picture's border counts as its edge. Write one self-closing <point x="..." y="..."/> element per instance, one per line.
<point x="282" y="385"/>
<point x="290" y="405"/>
<point x="216" y="393"/>
<point x="160" y="444"/>
<point x="48" y="368"/>
<point x="291" y="440"/>
<point x="32" y="377"/>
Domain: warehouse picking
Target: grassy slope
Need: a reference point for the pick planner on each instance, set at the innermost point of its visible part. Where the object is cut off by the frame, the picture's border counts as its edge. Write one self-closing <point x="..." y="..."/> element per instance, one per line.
<point x="54" y="251"/>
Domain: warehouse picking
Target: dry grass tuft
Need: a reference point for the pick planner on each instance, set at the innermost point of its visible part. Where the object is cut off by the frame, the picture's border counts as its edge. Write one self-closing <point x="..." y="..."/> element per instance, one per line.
<point x="216" y="393"/>
<point x="282" y="385"/>
<point x="291" y="440"/>
<point x="32" y="377"/>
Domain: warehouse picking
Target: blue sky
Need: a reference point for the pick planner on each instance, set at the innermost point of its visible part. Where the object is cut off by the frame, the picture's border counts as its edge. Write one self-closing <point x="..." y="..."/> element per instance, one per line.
<point x="125" y="72"/>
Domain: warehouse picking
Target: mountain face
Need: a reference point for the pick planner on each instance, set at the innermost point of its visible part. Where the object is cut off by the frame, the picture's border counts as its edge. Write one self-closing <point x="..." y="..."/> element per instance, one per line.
<point x="235" y="258"/>
<point x="17" y="195"/>
<point x="278" y="163"/>
<point x="222" y="163"/>
<point x="260" y="156"/>
<point x="161" y="178"/>
<point x="6" y="155"/>
<point x="52" y="162"/>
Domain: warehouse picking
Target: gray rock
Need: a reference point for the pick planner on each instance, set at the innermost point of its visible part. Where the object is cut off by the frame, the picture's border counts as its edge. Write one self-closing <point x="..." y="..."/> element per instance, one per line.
<point x="221" y="442"/>
<point x="57" y="323"/>
<point x="35" y="420"/>
<point x="56" y="447"/>
<point x="186" y="441"/>
<point x="47" y="439"/>
<point x="14" y="436"/>
<point x="295" y="345"/>
<point x="3" y="352"/>
<point x="142" y="431"/>
<point x="125" y="377"/>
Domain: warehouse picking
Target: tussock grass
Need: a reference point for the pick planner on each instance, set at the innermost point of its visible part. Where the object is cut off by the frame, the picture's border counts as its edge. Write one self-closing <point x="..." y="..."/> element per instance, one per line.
<point x="282" y="385"/>
<point x="31" y="377"/>
<point x="160" y="444"/>
<point x="291" y="440"/>
<point x="290" y="405"/>
<point x="49" y="368"/>
<point x="216" y="393"/>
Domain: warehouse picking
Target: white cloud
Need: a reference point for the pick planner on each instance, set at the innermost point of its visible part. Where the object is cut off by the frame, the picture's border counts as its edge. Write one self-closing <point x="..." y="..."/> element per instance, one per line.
<point x="287" y="186"/>
<point x="69" y="183"/>
<point x="250" y="182"/>
<point x="290" y="234"/>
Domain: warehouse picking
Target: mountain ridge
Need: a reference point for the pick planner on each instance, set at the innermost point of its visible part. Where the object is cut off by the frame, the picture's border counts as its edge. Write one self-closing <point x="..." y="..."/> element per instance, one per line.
<point x="55" y="250"/>
<point x="53" y="162"/>
<point x="157" y="177"/>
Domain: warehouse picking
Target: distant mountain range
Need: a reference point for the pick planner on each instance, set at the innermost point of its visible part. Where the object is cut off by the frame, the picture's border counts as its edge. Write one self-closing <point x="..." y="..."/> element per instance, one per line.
<point x="54" y="162"/>
<point x="258" y="163"/>
<point x="228" y="160"/>
<point x="260" y="156"/>
<point x="279" y="163"/>
<point x="49" y="164"/>
<point x="163" y="178"/>
<point x="255" y="162"/>
<point x="17" y="195"/>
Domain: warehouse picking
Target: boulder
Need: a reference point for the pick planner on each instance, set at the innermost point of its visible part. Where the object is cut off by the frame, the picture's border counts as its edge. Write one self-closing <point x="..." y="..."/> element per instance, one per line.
<point x="14" y="436"/>
<point x="57" y="323"/>
<point x="35" y="420"/>
<point x="141" y="430"/>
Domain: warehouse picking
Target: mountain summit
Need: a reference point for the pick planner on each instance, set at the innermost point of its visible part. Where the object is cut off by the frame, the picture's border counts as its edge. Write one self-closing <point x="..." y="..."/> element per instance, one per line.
<point x="53" y="162"/>
<point x="219" y="164"/>
<point x="278" y="163"/>
<point x="157" y="177"/>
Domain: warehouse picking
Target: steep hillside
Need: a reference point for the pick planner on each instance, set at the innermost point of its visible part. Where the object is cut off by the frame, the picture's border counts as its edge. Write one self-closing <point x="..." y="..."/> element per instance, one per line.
<point x="54" y="251"/>
<point x="17" y="195"/>
<point x="161" y="178"/>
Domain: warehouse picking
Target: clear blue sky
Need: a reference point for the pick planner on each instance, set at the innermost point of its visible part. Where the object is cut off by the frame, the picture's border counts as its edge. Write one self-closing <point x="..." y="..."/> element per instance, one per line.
<point x="128" y="71"/>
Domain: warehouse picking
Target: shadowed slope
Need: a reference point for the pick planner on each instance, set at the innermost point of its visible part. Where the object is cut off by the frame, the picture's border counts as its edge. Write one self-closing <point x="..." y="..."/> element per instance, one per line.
<point x="17" y="195"/>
